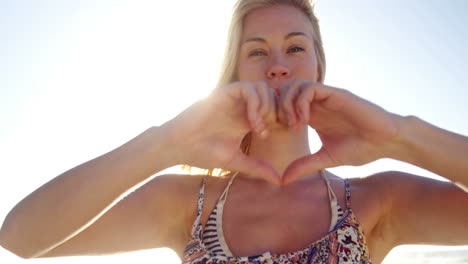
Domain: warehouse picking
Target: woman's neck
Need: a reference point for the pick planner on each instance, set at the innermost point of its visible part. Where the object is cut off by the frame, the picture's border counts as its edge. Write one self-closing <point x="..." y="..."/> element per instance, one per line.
<point x="281" y="147"/>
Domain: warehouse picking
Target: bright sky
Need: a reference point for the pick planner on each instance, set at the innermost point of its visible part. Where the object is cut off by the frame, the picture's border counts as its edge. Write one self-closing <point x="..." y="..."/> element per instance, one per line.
<point x="79" y="78"/>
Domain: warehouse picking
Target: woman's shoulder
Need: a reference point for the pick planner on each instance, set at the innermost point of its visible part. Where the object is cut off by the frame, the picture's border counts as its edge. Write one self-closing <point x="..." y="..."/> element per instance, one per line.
<point x="181" y="194"/>
<point x="381" y="183"/>
<point x="368" y="197"/>
<point x="183" y="190"/>
<point x="376" y="190"/>
<point x="175" y="185"/>
<point x="186" y="184"/>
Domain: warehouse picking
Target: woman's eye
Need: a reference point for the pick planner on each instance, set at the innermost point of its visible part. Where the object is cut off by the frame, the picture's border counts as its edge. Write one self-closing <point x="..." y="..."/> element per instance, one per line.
<point x="295" y="49"/>
<point x="257" y="53"/>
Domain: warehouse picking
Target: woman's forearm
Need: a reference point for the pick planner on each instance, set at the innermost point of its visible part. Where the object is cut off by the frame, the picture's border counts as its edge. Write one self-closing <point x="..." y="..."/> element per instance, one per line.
<point x="440" y="151"/>
<point x="73" y="200"/>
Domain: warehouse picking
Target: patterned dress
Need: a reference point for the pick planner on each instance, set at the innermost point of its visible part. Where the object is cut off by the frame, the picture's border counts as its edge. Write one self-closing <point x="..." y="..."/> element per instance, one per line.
<point x="344" y="243"/>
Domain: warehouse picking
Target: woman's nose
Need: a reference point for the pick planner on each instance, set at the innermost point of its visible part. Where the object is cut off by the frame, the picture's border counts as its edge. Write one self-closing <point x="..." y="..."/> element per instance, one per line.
<point x="278" y="69"/>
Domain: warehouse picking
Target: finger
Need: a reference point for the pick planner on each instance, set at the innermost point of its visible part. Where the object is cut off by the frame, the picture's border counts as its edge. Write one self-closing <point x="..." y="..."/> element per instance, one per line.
<point x="287" y="98"/>
<point x="255" y="168"/>
<point x="252" y="100"/>
<point x="245" y="92"/>
<point x="323" y="92"/>
<point x="264" y="108"/>
<point x="270" y="118"/>
<point x="262" y="92"/>
<point x="303" y="102"/>
<point x="273" y="116"/>
<point x="307" y="165"/>
<point x="310" y="93"/>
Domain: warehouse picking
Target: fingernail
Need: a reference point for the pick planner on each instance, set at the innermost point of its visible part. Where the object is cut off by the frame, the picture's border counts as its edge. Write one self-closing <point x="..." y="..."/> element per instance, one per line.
<point x="264" y="133"/>
<point x="259" y="128"/>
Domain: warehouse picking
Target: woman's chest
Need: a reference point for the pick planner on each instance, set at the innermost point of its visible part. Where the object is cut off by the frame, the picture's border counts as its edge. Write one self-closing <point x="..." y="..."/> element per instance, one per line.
<point x="275" y="225"/>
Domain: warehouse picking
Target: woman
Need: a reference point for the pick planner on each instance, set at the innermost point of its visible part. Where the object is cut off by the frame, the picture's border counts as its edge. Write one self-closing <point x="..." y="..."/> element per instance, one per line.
<point x="278" y="204"/>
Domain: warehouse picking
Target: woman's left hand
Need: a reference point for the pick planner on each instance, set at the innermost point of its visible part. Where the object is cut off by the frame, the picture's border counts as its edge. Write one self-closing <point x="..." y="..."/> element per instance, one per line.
<point x="353" y="131"/>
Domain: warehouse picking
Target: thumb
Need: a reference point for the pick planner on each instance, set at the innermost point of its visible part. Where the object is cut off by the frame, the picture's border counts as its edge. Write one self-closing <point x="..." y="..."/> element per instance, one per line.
<point x="307" y="165"/>
<point x="254" y="167"/>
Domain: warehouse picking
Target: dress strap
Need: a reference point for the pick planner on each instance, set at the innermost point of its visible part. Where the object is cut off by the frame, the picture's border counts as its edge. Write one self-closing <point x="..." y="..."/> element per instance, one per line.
<point x="226" y="190"/>
<point x="336" y="211"/>
<point x="201" y="197"/>
<point x="331" y="194"/>
<point x="348" y="193"/>
<point x="219" y="218"/>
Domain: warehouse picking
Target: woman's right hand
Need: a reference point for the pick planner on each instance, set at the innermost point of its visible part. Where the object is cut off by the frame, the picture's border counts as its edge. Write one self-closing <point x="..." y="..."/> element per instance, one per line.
<point x="209" y="133"/>
<point x="70" y="215"/>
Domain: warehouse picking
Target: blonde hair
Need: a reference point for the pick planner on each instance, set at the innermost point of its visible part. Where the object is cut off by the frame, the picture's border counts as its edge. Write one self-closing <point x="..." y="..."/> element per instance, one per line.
<point x="228" y="73"/>
<point x="245" y="7"/>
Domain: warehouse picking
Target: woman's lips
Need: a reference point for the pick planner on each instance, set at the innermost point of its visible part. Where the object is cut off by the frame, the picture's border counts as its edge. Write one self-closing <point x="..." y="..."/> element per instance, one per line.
<point x="277" y="91"/>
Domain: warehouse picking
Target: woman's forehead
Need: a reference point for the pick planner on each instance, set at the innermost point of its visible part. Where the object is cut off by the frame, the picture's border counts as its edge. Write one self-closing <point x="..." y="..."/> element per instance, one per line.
<point x="275" y="20"/>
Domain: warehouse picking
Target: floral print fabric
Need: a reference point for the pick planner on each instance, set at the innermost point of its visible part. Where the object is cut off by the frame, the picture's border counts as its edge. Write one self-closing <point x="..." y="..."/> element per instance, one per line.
<point x="345" y="243"/>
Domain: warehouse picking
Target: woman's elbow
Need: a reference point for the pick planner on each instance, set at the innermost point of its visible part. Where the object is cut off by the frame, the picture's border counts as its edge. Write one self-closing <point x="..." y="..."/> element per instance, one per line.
<point x="11" y="242"/>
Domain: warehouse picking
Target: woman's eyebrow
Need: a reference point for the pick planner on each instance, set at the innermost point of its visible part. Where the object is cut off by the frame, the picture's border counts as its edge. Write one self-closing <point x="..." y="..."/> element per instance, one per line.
<point x="293" y="34"/>
<point x="288" y="36"/>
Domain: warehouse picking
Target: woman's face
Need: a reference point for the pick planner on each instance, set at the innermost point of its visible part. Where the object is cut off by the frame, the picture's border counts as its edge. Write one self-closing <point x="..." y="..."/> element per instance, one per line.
<point x="276" y="46"/>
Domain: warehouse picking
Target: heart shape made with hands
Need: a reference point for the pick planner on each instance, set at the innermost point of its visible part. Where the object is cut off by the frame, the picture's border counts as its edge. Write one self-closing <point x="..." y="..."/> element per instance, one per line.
<point x="352" y="130"/>
<point x="289" y="108"/>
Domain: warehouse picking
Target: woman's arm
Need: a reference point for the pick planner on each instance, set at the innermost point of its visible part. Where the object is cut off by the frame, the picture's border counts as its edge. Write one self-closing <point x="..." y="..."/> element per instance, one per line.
<point x="420" y="210"/>
<point x="72" y="201"/>
<point x="207" y="135"/>
<point x="423" y="210"/>
<point x="440" y="151"/>
<point x="353" y="131"/>
<point x="158" y="214"/>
